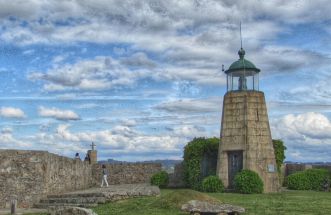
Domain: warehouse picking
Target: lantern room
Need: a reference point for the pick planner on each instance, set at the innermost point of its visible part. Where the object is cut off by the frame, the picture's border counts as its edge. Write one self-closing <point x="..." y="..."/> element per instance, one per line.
<point x="242" y="74"/>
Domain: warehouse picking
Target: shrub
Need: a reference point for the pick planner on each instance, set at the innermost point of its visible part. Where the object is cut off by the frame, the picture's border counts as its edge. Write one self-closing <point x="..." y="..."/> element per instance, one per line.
<point x="212" y="184"/>
<point x="298" y="181"/>
<point x="248" y="182"/>
<point x="311" y="179"/>
<point x="194" y="152"/>
<point x="160" y="179"/>
<point x="199" y="147"/>
<point x="317" y="178"/>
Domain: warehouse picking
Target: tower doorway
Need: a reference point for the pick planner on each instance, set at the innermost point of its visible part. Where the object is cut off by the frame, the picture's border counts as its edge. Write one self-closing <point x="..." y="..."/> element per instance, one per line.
<point x="235" y="165"/>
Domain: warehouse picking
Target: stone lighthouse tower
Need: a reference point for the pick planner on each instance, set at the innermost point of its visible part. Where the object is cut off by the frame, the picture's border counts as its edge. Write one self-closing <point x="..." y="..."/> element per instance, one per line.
<point x="245" y="132"/>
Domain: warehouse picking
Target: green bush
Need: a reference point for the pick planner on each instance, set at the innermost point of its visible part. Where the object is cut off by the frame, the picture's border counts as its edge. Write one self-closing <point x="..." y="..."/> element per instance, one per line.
<point x="194" y="152"/>
<point x="279" y="150"/>
<point x="311" y="179"/>
<point x="248" y="182"/>
<point x="160" y="179"/>
<point x="212" y="184"/>
<point x="199" y="147"/>
<point x="317" y="178"/>
<point x="298" y="181"/>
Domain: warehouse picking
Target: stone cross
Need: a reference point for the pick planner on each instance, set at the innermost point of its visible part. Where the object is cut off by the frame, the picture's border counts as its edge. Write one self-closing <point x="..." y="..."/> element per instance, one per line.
<point x="93" y="146"/>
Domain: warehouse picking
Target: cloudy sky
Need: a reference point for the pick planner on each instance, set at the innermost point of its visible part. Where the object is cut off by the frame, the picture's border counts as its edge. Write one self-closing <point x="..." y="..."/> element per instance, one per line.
<point x="142" y="78"/>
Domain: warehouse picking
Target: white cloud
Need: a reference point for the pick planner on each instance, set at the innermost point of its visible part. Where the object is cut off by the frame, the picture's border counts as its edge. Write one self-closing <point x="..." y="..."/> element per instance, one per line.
<point x="54" y="87"/>
<point x="289" y="11"/>
<point x="189" y="131"/>
<point x="189" y="40"/>
<point x="129" y="122"/>
<point x="183" y="43"/>
<point x="91" y="22"/>
<point x="57" y="113"/>
<point x="104" y="73"/>
<point x="286" y="58"/>
<point x="307" y="136"/>
<point x="314" y="91"/>
<point x="115" y="142"/>
<point x="119" y="139"/>
<point x="59" y="58"/>
<point x="8" y="141"/>
<point x="28" y="52"/>
<point x="97" y="74"/>
<point x="11" y="112"/>
<point x="208" y="105"/>
<point x="307" y="125"/>
<point x="6" y="130"/>
<point x="138" y="59"/>
<point x="198" y="34"/>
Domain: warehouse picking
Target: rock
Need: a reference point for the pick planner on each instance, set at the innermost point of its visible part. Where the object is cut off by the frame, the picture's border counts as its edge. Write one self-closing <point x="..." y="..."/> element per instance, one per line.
<point x="200" y="207"/>
<point x="73" y="211"/>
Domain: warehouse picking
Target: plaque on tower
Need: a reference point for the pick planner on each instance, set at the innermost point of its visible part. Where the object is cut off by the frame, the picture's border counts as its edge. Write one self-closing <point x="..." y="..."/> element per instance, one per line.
<point x="271" y="168"/>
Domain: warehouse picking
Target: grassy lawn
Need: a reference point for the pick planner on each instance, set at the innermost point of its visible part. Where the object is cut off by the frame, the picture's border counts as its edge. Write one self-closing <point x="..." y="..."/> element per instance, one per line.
<point x="289" y="202"/>
<point x="168" y="203"/>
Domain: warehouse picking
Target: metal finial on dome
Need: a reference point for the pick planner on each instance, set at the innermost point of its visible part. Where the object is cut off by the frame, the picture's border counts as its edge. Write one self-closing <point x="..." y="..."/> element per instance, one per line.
<point x="241" y="53"/>
<point x="242" y="64"/>
<point x="241" y="40"/>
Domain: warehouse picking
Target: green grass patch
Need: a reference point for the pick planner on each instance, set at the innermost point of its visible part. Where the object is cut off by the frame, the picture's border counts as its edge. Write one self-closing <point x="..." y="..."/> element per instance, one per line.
<point x="36" y="214"/>
<point x="288" y="202"/>
<point x="176" y="198"/>
<point x="170" y="201"/>
<point x="33" y="214"/>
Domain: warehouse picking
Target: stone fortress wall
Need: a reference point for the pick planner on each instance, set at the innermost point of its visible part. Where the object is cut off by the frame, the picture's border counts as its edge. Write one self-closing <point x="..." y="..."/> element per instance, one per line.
<point x="32" y="175"/>
<point x="125" y="173"/>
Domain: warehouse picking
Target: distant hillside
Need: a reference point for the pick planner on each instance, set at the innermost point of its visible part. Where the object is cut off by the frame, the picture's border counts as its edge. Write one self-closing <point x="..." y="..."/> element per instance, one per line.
<point x="309" y="163"/>
<point x="167" y="165"/>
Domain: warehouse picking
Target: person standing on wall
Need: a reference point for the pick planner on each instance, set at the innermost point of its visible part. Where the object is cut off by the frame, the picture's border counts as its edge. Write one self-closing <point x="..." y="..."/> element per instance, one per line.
<point x="77" y="157"/>
<point x="104" y="175"/>
<point x="87" y="158"/>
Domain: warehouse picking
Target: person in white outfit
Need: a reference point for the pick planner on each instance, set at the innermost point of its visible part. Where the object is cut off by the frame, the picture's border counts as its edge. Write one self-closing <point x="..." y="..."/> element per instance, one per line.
<point x="104" y="175"/>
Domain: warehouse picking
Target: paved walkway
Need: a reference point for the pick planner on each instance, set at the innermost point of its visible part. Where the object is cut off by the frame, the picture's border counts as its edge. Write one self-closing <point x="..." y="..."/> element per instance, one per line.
<point x="124" y="189"/>
<point x="20" y="211"/>
<point x="111" y="193"/>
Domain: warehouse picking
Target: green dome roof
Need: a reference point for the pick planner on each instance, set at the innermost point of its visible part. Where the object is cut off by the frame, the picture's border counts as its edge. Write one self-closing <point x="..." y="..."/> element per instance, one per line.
<point x="242" y="63"/>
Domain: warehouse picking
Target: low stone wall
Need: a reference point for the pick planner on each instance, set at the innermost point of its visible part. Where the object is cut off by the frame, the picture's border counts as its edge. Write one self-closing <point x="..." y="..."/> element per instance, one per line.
<point x="291" y="168"/>
<point x="31" y="175"/>
<point x="126" y="173"/>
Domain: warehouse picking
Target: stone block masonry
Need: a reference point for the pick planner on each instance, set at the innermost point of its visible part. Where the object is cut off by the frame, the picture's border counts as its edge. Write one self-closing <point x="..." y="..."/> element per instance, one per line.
<point x="245" y="130"/>
<point x="126" y="173"/>
<point x="32" y="175"/>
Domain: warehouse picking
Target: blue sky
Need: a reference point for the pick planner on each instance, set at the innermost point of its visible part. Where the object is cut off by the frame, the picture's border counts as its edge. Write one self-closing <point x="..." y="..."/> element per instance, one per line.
<point x="142" y="78"/>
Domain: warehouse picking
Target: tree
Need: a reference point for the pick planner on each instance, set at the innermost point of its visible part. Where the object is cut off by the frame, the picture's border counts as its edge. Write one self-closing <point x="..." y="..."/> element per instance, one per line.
<point x="194" y="152"/>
